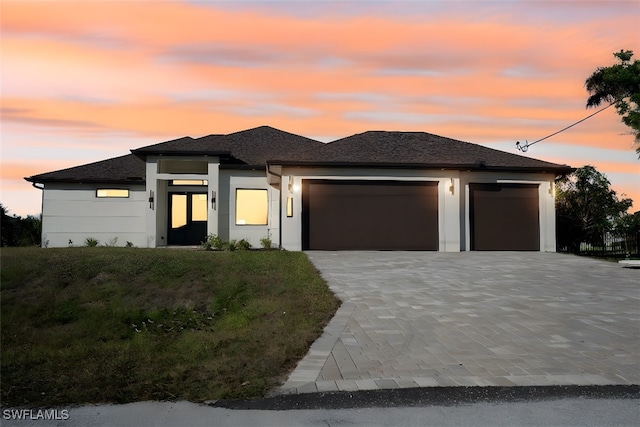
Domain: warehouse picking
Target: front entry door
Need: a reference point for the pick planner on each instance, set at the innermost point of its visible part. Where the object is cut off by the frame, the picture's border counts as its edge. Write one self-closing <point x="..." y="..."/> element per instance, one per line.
<point x="187" y="218"/>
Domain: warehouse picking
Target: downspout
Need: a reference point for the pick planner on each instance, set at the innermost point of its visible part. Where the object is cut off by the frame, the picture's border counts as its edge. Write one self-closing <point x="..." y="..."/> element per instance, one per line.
<point x="35" y="185"/>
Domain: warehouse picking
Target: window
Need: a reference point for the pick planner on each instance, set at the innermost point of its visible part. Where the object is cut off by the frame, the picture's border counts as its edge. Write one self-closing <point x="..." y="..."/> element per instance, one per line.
<point x="112" y="192"/>
<point x="251" y="206"/>
<point x="177" y="182"/>
<point x="289" y="207"/>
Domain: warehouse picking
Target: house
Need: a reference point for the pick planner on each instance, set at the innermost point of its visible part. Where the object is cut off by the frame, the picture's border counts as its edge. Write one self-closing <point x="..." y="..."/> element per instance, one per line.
<point x="375" y="190"/>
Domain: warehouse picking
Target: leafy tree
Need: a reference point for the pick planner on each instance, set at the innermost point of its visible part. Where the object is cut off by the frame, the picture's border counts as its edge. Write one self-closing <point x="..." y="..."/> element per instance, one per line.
<point x="18" y="231"/>
<point x="587" y="208"/>
<point x="619" y="84"/>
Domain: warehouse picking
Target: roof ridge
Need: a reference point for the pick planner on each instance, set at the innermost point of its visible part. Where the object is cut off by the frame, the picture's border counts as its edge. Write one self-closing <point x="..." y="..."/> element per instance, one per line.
<point x="160" y="143"/>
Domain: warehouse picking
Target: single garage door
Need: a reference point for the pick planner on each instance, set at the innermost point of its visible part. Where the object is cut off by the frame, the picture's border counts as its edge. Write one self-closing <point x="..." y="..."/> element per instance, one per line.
<point x="369" y="215"/>
<point x="504" y="217"/>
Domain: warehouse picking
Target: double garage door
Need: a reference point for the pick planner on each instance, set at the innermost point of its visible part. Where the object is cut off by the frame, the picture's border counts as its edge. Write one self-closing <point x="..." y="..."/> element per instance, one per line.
<point x="401" y="215"/>
<point x="369" y="215"/>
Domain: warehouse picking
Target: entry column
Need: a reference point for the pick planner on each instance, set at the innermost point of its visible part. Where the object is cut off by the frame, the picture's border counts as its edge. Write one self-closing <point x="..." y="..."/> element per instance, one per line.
<point x="213" y="176"/>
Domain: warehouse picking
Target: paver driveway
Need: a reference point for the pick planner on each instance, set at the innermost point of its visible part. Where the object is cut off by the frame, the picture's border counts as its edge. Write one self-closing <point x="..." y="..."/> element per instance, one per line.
<point x="420" y="319"/>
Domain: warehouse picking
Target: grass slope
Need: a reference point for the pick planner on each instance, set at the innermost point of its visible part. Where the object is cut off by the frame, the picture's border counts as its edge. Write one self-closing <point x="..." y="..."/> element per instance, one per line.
<point x="86" y="325"/>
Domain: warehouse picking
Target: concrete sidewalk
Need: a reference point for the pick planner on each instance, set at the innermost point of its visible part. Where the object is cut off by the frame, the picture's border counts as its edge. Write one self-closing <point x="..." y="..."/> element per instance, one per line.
<point x="431" y="319"/>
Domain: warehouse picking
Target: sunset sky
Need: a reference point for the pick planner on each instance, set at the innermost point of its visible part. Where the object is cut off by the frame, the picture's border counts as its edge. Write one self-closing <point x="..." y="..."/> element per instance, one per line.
<point x="89" y="80"/>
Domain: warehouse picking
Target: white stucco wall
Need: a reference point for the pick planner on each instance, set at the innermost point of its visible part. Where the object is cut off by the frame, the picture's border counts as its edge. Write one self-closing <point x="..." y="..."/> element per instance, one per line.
<point x="73" y="212"/>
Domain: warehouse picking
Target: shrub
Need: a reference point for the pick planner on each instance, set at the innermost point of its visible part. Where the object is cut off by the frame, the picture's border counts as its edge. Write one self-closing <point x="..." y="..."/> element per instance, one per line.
<point x="112" y="243"/>
<point x="91" y="242"/>
<point x="231" y="245"/>
<point x="216" y="243"/>
<point x="243" y="245"/>
<point x="266" y="241"/>
<point x="213" y="242"/>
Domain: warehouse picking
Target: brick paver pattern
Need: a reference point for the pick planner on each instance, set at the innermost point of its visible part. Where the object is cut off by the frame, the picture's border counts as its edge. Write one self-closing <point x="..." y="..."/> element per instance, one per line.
<point x="429" y="319"/>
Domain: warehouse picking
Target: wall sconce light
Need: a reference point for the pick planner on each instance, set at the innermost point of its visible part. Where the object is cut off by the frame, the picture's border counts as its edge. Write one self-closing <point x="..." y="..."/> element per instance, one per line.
<point x="151" y="199"/>
<point x="289" y="207"/>
<point x="290" y="186"/>
<point x="451" y="187"/>
<point x="213" y="200"/>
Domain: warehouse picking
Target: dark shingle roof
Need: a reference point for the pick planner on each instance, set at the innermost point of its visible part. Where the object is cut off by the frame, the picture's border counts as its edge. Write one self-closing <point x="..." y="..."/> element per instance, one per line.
<point x="264" y="144"/>
<point x="258" y="146"/>
<point x="253" y="146"/>
<point x="123" y="169"/>
<point x="185" y="146"/>
<point x="421" y="149"/>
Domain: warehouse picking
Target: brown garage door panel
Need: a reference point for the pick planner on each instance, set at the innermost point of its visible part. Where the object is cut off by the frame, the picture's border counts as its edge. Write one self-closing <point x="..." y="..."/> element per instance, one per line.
<point x="374" y="215"/>
<point x="504" y="217"/>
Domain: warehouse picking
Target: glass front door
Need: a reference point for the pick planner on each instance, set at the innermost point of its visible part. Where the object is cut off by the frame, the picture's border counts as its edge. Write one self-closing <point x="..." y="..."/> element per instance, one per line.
<point x="187" y="218"/>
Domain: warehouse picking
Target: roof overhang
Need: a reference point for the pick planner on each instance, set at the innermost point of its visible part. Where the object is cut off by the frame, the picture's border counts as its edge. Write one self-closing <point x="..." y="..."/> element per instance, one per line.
<point x="557" y="169"/>
<point x="36" y="180"/>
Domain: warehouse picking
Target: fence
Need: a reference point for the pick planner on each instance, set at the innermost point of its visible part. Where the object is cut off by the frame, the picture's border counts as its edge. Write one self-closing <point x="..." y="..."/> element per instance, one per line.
<point x="614" y="245"/>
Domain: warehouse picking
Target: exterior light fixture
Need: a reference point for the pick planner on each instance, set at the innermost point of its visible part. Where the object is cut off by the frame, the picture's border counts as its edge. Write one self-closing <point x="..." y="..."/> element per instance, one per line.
<point x="213" y="200"/>
<point x="451" y="187"/>
<point x="151" y="199"/>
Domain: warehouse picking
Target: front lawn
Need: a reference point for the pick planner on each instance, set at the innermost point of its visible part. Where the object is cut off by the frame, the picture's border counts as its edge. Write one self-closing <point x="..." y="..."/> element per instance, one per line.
<point x="84" y="325"/>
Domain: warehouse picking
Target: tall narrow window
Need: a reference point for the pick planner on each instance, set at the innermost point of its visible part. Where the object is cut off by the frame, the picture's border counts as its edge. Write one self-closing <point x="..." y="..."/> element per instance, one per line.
<point x="252" y="206"/>
<point x="289" y="207"/>
<point x="112" y="192"/>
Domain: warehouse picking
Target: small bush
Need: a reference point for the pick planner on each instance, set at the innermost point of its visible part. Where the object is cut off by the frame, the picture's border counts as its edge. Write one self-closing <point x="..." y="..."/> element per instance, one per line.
<point x="112" y="243"/>
<point x="216" y="243"/>
<point x="91" y="242"/>
<point x="243" y="245"/>
<point x="266" y="242"/>
<point x="231" y="245"/>
<point x="213" y="242"/>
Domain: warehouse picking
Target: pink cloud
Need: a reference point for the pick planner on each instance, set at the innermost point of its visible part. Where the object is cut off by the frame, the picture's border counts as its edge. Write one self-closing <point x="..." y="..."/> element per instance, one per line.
<point x="167" y="69"/>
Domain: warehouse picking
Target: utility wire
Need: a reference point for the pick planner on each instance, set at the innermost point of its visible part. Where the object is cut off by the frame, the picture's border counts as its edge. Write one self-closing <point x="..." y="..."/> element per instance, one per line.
<point x="524" y="147"/>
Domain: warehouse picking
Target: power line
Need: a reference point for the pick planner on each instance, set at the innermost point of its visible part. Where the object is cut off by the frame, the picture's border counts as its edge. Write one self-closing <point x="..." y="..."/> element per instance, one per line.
<point x="524" y="147"/>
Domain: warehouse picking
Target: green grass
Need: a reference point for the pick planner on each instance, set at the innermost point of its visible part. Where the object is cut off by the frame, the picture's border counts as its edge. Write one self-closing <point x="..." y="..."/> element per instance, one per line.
<point x="89" y="325"/>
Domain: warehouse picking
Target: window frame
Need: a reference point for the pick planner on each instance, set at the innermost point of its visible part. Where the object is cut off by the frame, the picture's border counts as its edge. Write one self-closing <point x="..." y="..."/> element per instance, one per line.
<point x="98" y="196"/>
<point x="235" y="219"/>
<point x="188" y="183"/>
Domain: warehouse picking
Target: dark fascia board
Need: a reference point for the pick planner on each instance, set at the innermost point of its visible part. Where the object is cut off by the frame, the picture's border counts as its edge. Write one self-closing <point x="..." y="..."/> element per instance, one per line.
<point x="180" y="153"/>
<point x="447" y="166"/>
<point x="241" y="166"/>
<point x="35" y="180"/>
